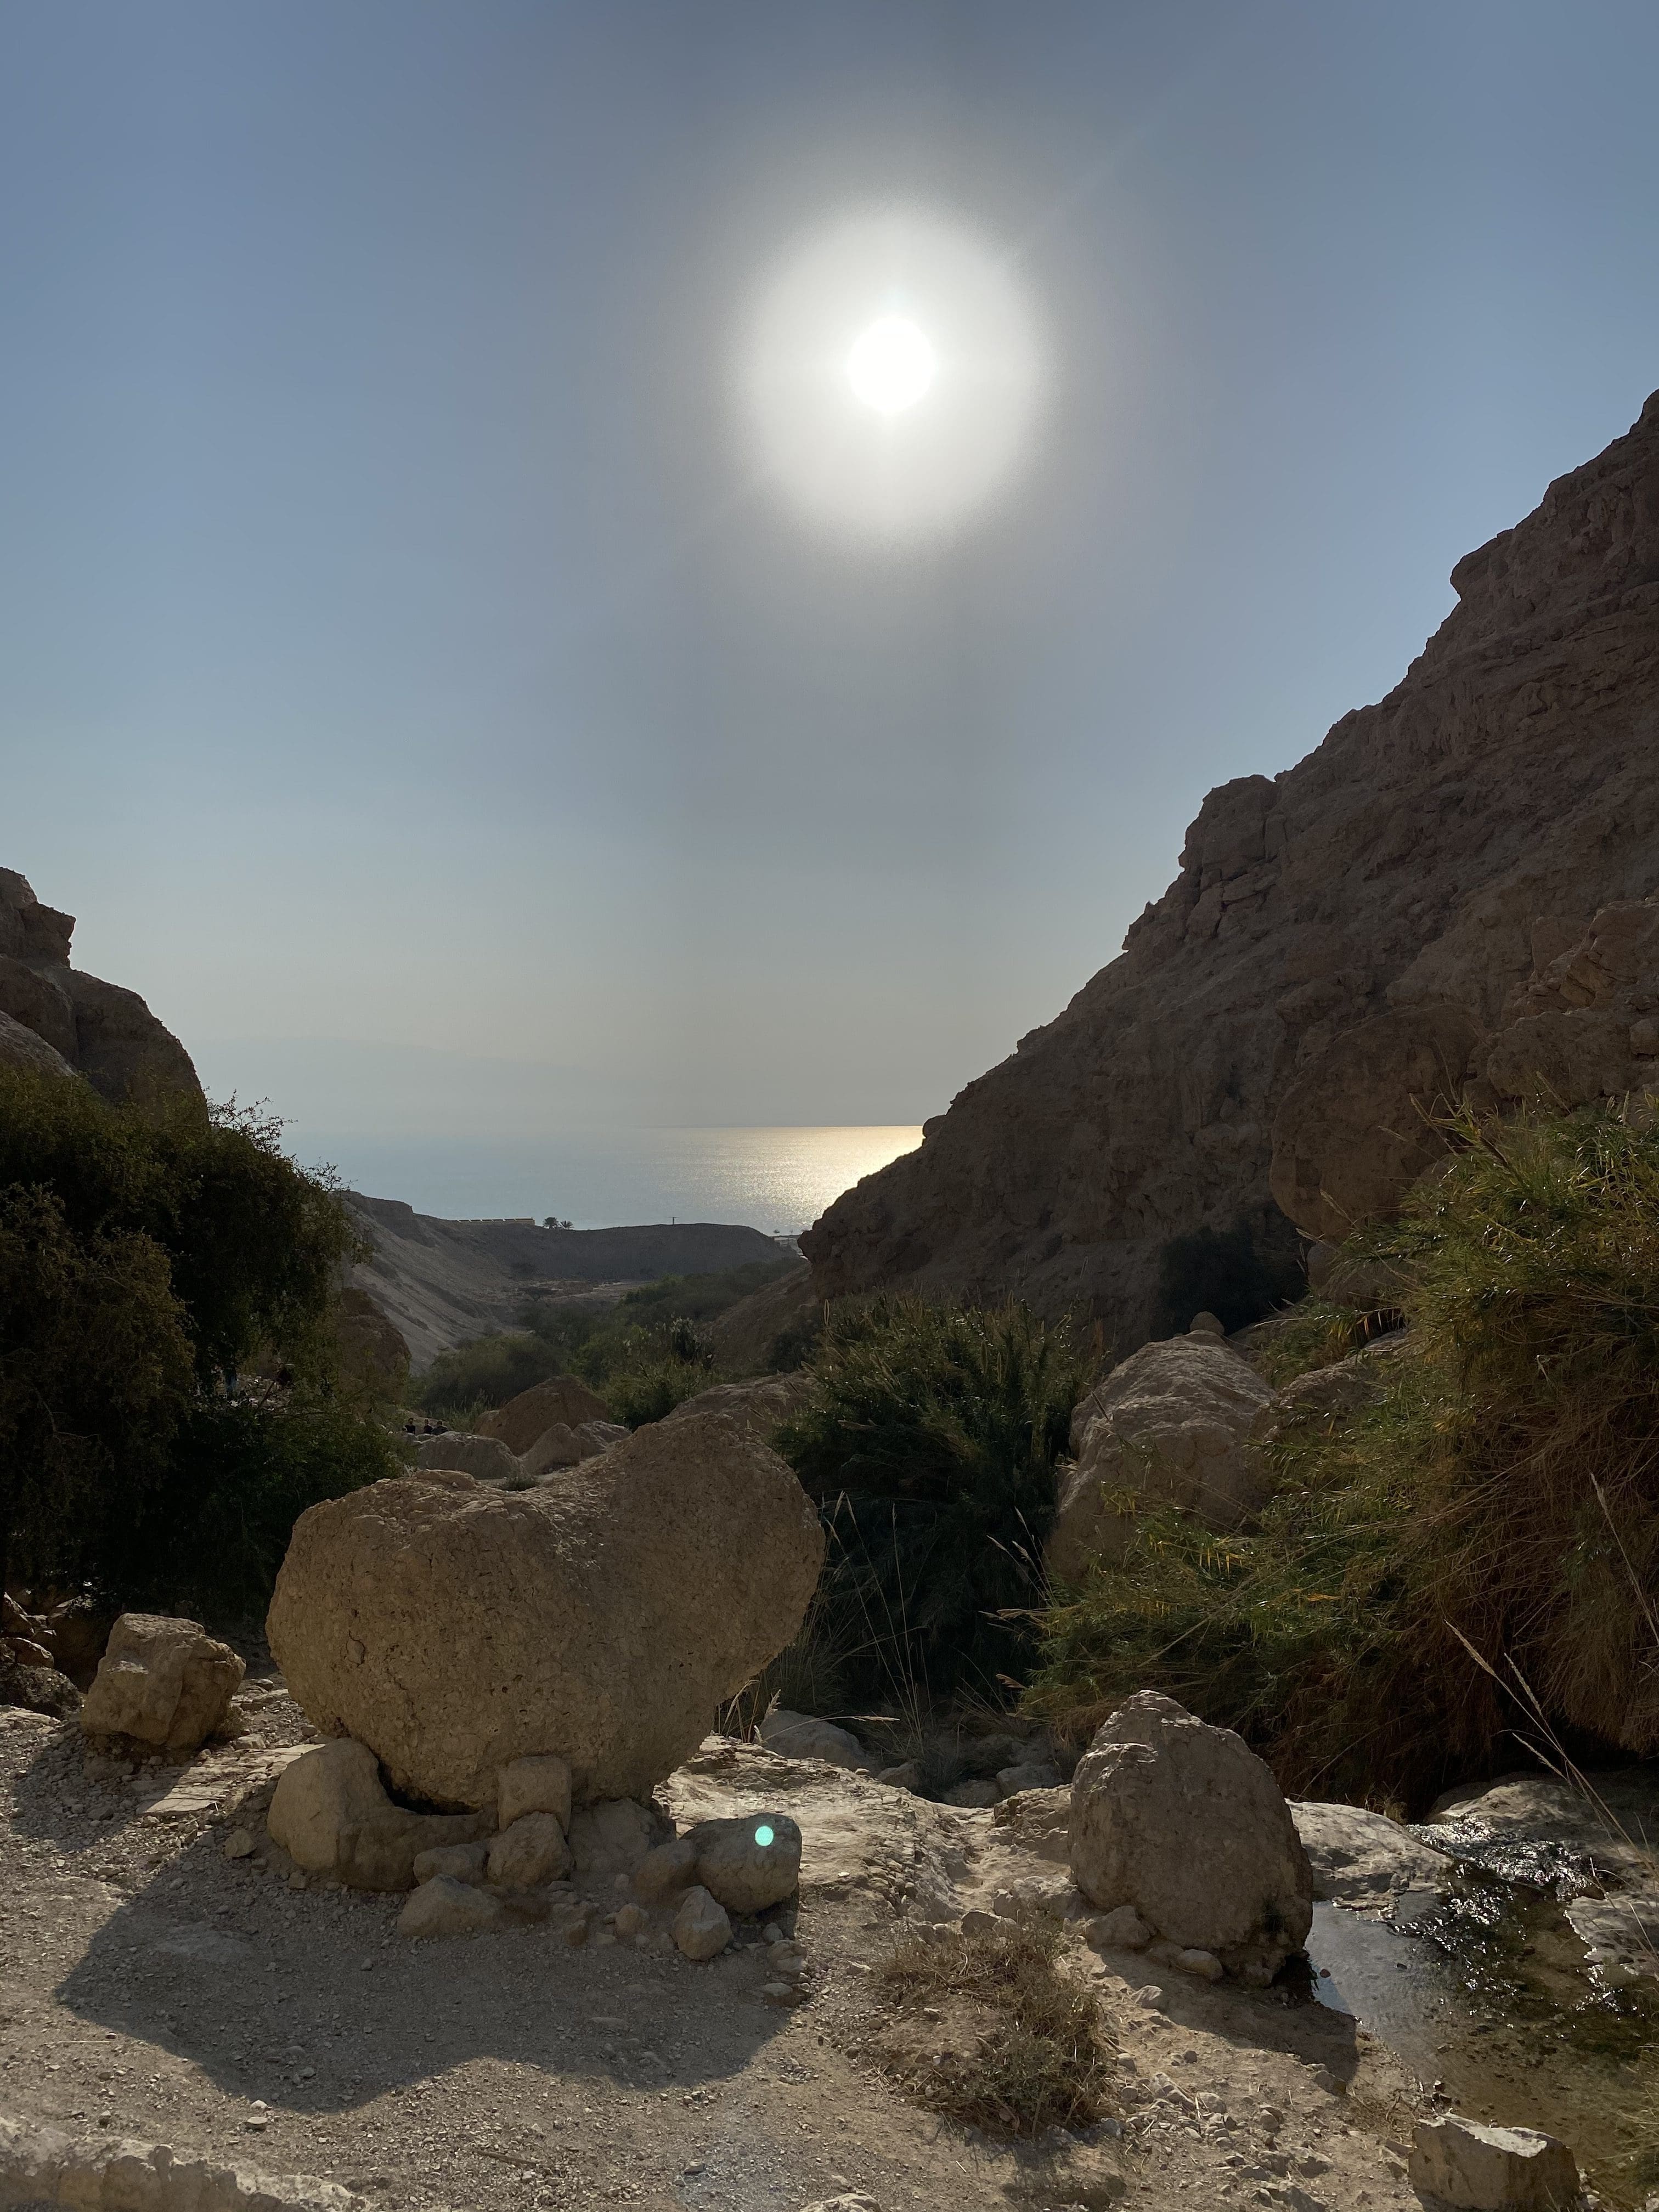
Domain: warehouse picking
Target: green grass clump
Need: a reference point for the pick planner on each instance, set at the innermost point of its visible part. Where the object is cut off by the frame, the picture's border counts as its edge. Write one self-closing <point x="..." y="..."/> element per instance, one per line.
<point x="1311" y="1334"/>
<point x="930" y="1442"/>
<point x="1503" y="1488"/>
<point x="1026" y="2050"/>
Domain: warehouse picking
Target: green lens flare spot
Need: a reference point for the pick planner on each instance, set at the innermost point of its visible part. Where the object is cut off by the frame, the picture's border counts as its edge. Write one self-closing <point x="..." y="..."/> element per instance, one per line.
<point x="762" y="1835"/>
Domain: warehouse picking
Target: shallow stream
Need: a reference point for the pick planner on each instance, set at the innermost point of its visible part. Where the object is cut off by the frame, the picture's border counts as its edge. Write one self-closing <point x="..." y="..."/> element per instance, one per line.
<point x="1486" y="1996"/>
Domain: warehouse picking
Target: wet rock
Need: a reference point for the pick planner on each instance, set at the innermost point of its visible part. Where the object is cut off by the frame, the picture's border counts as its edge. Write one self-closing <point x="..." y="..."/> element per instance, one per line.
<point x="1364" y="1860"/>
<point x="1184" y="1822"/>
<point x="701" y="1929"/>
<point x="161" y="1682"/>
<point x="1470" y="2167"/>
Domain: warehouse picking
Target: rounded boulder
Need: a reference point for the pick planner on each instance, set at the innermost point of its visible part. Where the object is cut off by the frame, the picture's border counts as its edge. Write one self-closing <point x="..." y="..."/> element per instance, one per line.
<point x="1183" y="1822"/>
<point x="454" y="1627"/>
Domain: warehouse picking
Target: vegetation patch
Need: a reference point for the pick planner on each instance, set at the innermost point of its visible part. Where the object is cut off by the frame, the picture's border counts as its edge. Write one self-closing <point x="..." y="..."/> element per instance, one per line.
<point x="170" y="1394"/>
<point x="1503" y="1488"/>
<point x="930" y="1442"/>
<point x="989" y="2031"/>
<point x="643" y="1355"/>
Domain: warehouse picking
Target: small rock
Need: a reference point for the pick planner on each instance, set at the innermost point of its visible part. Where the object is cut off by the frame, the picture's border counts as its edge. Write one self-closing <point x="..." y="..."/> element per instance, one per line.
<point x="161" y="1682"/>
<point x="904" y="1777"/>
<point x="854" y="2203"/>
<point x="239" y="1843"/>
<point x="444" y="1907"/>
<point x="777" y="1991"/>
<point x="750" y="1864"/>
<point x="1122" y="1930"/>
<point x="575" y="1931"/>
<point x="631" y="1920"/>
<point x="701" y="1929"/>
<point x="1472" y="2168"/>
<point x="663" y="1872"/>
<point x="460" y="1862"/>
<point x="531" y="1851"/>
<point x="978" y="1796"/>
<point x="539" y="1784"/>
<point x="799" y="1735"/>
<point x="1030" y="1774"/>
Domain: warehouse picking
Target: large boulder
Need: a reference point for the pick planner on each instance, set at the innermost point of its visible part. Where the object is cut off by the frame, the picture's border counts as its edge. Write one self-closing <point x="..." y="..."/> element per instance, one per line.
<point x="161" y="1682"/>
<point x="1169" y="1427"/>
<point x="454" y="1627"/>
<point x="564" y="1399"/>
<point x="1465" y="2166"/>
<point x="759" y="1407"/>
<point x="1184" y="1822"/>
<point x="462" y="1452"/>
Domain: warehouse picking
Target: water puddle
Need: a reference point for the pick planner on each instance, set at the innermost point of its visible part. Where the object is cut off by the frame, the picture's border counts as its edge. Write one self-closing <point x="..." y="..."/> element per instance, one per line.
<point x="1485" y="1994"/>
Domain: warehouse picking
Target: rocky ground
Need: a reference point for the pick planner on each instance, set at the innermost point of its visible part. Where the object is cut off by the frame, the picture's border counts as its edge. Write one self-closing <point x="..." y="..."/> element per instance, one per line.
<point x="156" y="1989"/>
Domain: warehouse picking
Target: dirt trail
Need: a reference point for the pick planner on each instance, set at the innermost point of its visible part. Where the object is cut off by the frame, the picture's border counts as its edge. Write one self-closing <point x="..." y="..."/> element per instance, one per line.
<point x="151" y="1987"/>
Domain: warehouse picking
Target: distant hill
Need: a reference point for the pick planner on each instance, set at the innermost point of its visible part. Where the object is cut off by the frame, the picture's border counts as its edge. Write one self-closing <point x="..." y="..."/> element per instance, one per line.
<point x="443" y="1282"/>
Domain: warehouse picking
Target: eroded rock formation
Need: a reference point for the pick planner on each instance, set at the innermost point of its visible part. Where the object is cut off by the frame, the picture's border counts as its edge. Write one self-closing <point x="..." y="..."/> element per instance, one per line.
<point x="1345" y="944"/>
<point x="55" y="1017"/>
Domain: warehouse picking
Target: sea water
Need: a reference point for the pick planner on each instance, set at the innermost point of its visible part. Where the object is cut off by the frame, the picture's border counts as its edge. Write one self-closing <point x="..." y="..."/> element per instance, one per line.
<point x="778" y="1180"/>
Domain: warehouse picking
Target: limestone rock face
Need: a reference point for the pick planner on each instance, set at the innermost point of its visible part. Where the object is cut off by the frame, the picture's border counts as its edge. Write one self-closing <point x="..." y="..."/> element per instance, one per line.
<point x="563" y="1399"/>
<point x="1184" y="1822"/>
<point x="1438" y="857"/>
<point x="602" y="1619"/>
<point x="77" y="1024"/>
<point x="161" y="1682"/>
<point x="1169" y="1427"/>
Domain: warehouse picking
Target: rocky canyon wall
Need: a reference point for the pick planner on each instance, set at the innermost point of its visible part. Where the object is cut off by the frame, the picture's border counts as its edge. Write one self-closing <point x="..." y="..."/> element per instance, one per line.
<point x="1449" y="892"/>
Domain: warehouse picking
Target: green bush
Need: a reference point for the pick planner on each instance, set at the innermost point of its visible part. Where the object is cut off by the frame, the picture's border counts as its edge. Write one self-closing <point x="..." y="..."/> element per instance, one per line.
<point x="1503" y="1488"/>
<point x="151" y="1258"/>
<point x="930" y="1442"/>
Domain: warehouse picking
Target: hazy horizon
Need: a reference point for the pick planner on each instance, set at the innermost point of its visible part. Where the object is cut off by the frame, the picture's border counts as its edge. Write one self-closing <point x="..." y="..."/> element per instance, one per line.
<point x="450" y="683"/>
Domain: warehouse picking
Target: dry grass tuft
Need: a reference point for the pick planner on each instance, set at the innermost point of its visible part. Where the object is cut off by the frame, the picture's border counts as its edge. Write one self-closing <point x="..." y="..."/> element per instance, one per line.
<point x="990" y="2031"/>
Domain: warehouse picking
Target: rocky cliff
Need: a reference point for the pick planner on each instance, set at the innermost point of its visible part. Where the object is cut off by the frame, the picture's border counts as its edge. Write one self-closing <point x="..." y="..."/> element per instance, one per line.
<point x="1416" y="908"/>
<point x="55" y="1017"/>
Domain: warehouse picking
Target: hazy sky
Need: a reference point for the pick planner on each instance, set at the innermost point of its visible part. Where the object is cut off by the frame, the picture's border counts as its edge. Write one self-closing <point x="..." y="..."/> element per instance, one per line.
<point x="404" y="650"/>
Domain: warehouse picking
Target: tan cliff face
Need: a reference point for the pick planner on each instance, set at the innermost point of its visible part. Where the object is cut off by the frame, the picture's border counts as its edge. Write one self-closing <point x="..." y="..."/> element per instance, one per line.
<point x="57" y="1018"/>
<point x="1369" y="928"/>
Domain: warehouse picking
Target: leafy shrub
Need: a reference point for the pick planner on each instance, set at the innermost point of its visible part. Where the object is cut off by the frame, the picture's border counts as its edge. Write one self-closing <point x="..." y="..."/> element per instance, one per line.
<point x="150" y="1257"/>
<point x="1239" y="1274"/>
<point x="1503" y="1488"/>
<point x="930" y="1441"/>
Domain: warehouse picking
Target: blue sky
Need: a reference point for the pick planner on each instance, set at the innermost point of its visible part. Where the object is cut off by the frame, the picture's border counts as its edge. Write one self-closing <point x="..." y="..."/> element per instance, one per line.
<point x="402" y="655"/>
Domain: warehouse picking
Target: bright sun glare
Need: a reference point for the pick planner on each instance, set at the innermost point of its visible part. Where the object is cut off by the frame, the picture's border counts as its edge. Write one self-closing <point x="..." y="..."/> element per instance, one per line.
<point x="891" y="365"/>
<point x="892" y="373"/>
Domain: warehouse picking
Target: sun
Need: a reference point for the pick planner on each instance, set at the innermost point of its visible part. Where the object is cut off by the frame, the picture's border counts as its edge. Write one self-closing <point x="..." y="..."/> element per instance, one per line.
<point x="891" y="365"/>
<point x="892" y="374"/>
